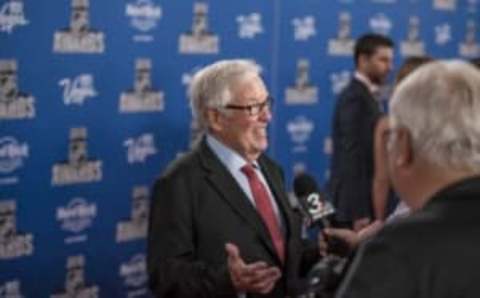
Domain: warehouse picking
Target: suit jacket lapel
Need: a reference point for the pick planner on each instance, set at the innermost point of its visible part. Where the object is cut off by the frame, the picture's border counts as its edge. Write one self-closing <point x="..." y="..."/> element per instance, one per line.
<point x="228" y="189"/>
<point x="372" y="103"/>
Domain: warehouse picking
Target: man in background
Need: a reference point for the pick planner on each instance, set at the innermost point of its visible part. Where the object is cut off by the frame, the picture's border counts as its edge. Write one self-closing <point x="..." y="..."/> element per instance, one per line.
<point x="433" y="158"/>
<point x="355" y="116"/>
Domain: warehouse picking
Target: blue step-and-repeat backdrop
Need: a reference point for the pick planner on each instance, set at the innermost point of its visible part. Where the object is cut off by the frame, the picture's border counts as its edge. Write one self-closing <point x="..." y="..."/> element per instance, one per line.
<point x="93" y="105"/>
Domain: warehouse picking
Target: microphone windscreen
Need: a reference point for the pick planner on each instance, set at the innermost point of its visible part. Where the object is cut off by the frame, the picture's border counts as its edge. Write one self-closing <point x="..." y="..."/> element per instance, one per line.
<point x="303" y="185"/>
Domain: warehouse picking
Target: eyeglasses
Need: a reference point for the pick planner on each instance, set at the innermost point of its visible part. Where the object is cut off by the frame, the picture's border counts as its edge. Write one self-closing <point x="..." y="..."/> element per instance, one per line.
<point x="253" y="109"/>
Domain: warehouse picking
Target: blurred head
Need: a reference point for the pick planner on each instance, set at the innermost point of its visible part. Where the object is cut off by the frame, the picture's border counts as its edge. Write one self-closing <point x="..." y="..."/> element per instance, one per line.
<point x="231" y="102"/>
<point x="374" y="56"/>
<point x="409" y="65"/>
<point x="435" y="127"/>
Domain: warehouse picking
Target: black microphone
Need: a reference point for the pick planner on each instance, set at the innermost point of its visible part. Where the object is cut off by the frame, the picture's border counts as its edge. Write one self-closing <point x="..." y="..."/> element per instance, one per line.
<point x="312" y="201"/>
<point x="324" y="276"/>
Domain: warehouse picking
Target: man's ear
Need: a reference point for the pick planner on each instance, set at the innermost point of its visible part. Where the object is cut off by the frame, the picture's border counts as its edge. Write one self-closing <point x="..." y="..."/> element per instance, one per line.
<point x="214" y="119"/>
<point x="362" y="61"/>
<point x="405" y="156"/>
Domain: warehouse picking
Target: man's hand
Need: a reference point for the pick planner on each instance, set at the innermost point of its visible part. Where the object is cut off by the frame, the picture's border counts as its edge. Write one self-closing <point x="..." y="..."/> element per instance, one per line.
<point x="349" y="237"/>
<point x="360" y="223"/>
<point x="256" y="277"/>
<point x="352" y="238"/>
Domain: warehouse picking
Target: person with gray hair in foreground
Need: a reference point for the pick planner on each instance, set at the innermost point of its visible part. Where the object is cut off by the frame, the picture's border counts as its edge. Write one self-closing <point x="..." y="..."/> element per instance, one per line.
<point x="220" y="222"/>
<point x="434" y="164"/>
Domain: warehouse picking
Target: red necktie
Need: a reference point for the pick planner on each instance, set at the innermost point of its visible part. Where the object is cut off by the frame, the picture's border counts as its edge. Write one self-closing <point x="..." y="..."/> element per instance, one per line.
<point x="265" y="208"/>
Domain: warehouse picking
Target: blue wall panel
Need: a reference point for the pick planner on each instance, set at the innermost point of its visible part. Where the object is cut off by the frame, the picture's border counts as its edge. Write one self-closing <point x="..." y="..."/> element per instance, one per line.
<point x="97" y="90"/>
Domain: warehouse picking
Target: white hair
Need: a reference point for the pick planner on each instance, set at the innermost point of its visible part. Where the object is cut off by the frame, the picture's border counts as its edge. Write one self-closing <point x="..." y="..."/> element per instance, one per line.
<point x="211" y="86"/>
<point x="439" y="103"/>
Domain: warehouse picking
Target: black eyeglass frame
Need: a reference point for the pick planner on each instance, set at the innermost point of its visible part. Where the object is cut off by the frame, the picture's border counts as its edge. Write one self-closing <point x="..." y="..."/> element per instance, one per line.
<point x="253" y="109"/>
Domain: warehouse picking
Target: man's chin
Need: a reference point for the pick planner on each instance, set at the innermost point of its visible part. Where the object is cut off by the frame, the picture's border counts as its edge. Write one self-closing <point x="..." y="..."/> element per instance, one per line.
<point x="262" y="147"/>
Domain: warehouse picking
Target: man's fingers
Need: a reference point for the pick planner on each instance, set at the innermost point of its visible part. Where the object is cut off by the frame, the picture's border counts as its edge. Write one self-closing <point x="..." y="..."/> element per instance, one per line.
<point x="247" y="273"/>
<point x="339" y="233"/>
<point x="256" y="277"/>
<point x="232" y="250"/>
<point x="265" y="279"/>
<point x="270" y="273"/>
<point x="268" y="287"/>
<point x="252" y="267"/>
<point x="360" y="223"/>
<point x="322" y="244"/>
<point x="233" y="254"/>
<point x="347" y="236"/>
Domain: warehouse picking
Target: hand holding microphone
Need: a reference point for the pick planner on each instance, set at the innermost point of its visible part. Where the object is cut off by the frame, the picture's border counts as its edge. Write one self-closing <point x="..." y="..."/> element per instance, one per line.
<point x="319" y="212"/>
<point x="312" y="201"/>
<point x="325" y="274"/>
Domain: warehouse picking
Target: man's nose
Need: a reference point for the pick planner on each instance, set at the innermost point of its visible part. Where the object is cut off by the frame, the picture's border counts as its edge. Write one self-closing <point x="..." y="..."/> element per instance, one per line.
<point x="265" y="114"/>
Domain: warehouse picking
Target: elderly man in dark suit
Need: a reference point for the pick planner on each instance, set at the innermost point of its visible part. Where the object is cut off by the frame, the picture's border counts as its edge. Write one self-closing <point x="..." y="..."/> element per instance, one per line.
<point x="355" y="117"/>
<point x="434" y="164"/>
<point x="220" y="224"/>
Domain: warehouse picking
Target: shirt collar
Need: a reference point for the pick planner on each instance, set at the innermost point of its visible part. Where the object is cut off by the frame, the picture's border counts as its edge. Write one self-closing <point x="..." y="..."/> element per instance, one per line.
<point x="231" y="159"/>
<point x="373" y="88"/>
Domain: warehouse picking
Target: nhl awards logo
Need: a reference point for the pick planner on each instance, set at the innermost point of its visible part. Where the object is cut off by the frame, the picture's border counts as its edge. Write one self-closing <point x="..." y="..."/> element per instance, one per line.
<point x="140" y="148"/>
<point x="250" y="25"/>
<point x="134" y="274"/>
<point x="343" y="44"/>
<point x="12" y="244"/>
<point x="75" y="280"/>
<point x="11" y="16"/>
<point x="413" y="46"/>
<point x="143" y="98"/>
<point x="469" y="48"/>
<point x="136" y="227"/>
<point x="199" y="40"/>
<point x="300" y="130"/>
<point x="11" y="289"/>
<point x="78" y="168"/>
<point x="302" y="92"/>
<point x="78" y="89"/>
<point x="79" y="38"/>
<point x="14" y="104"/>
<point x="445" y="4"/>
<point x="381" y="24"/>
<point x="303" y="28"/>
<point x="339" y="81"/>
<point x="76" y="217"/>
<point x="443" y="34"/>
<point x="144" y="16"/>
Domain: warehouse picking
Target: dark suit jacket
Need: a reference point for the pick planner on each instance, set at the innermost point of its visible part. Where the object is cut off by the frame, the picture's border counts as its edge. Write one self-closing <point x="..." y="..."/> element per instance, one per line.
<point x="350" y="186"/>
<point x="197" y="208"/>
<point x="433" y="253"/>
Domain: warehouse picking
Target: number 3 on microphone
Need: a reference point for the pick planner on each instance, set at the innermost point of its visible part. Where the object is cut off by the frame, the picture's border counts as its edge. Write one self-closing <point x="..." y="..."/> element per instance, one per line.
<point x="315" y="205"/>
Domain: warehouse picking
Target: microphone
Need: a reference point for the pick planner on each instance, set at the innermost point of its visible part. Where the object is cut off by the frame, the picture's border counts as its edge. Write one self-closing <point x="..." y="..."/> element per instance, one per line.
<point x="312" y="201"/>
<point x="324" y="276"/>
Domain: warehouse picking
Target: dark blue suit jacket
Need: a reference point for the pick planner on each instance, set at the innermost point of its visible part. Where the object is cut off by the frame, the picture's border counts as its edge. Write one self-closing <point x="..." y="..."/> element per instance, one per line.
<point x="350" y="186"/>
<point x="433" y="253"/>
